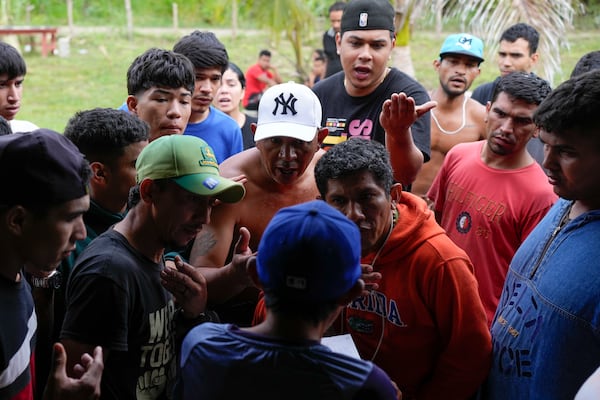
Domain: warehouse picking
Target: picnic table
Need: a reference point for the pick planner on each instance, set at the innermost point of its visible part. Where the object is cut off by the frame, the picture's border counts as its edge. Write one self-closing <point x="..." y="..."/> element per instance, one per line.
<point x="48" y="35"/>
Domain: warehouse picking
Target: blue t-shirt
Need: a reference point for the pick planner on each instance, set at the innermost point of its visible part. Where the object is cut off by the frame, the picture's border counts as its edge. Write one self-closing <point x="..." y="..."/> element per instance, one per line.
<point x="220" y="361"/>
<point x="221" y="133"/>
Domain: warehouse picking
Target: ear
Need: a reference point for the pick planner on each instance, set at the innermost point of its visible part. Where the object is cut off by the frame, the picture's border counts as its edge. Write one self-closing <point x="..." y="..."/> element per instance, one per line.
<point x="99" y="172"/>
<point x="338" y="41"/>
<point x="536" y="132"/>
<point x="132" y="104"/>
<point x="488" y="107"/>
<point x="147" y="190"/>
<point x="253" y="128"/>
<point x="436" y="64"/>
<point x="396" y="192"/>
<point x="322" y="134"/>
<point x="354" y="292"/>
<point x="16" y="218"/>
<point x="534" y="58"/>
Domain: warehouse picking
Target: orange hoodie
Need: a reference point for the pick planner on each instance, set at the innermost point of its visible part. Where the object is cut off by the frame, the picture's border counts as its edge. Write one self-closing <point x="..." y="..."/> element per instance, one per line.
<point x="425" y="325"/>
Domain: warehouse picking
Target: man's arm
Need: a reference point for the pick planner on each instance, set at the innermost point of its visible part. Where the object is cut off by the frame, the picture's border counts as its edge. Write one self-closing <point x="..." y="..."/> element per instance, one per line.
<point x="397" y="115"/>
<point x="225" y="282"/>
<point x="211" y="246"/>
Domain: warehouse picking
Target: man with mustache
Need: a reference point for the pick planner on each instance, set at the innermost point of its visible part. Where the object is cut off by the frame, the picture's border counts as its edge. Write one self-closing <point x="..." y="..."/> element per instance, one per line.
<point x="490" y="194"/>
<point x="517" y="51"/>
<point x="545" y="331"/>
<point x="278" y="173"/>
<point x="457" y="118"/>
<point x="420" y="319"/>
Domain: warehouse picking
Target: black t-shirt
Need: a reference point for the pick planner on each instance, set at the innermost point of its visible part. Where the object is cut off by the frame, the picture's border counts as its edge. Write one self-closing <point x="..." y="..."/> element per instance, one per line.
<point x="346" y="116"/>
<point x="334" y="65"/>
<point x="115" y="299"/>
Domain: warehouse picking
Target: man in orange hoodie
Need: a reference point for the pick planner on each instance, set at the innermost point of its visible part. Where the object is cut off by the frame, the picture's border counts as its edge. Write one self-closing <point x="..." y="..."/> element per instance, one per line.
<point x="421" y="318"/>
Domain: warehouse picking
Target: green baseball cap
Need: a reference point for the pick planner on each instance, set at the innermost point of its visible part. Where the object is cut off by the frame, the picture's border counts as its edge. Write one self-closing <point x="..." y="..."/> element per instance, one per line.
<point x="190" y="162"/>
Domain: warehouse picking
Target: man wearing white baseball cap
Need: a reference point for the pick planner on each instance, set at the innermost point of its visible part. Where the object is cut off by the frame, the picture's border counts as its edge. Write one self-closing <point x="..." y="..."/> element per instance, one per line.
<point x="278" y="173"/>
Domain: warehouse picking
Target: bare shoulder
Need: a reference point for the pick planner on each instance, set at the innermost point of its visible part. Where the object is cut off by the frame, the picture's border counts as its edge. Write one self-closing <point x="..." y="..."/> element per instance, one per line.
<point x="474" y="107"/>
<point x="243" y="163"/>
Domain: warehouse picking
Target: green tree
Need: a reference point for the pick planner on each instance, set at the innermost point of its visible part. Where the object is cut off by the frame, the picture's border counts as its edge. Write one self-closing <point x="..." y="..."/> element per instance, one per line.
<point x="291" y="19"/>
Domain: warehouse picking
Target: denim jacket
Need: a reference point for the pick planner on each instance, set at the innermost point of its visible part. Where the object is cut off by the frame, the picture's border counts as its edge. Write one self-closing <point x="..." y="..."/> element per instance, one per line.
<point x="546" y="331"/>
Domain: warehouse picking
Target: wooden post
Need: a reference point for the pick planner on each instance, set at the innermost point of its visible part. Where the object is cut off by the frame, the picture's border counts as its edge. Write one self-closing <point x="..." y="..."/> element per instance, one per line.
<point x="175" y="17"/>
<point x="129" y="16"/>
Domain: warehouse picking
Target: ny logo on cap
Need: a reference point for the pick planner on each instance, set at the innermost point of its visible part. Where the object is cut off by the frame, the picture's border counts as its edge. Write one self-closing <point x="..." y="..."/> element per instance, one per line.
<point x="289" y="104"/>
<point x="363" y="19"/>
<point x="465" y="41"/>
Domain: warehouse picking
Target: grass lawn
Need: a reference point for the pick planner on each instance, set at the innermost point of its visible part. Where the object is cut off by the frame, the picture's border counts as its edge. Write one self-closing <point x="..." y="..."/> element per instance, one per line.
<point x="94" y="75"/>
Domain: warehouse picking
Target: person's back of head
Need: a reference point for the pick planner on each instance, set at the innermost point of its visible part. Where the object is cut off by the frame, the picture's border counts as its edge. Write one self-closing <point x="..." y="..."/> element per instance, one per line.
<point x="11" y="62"/>
<point x="522" y="31"/>
<point x="587" y="62"/>
<point x="351" y="157"/>
<point x="46" y="167"/>
<point x="102" y="134"/>
<point x="573" y="107"/>
<point x="203" y="49"/>
<point x="160" y="68"/>
<point x="524" y="86"/>
<point x="308" y="260"/>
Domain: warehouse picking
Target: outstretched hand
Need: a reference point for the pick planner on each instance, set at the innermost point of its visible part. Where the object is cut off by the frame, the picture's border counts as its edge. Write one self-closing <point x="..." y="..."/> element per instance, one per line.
<point x="88" y="373"/>
<point x="187" y="285"/>
<point x="399" y="112"/>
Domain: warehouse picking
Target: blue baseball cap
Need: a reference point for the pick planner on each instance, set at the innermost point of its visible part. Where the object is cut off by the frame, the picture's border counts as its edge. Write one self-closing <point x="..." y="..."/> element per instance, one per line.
<point x="309" y="253"/>
<point x="463" y="43"/>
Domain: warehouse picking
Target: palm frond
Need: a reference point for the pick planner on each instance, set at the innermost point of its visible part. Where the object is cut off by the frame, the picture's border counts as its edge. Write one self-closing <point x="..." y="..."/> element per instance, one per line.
<point x="489" y="18"/>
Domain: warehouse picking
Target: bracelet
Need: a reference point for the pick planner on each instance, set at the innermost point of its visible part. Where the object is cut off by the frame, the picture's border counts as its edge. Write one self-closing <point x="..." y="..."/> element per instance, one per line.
<point x="52" y="281"/>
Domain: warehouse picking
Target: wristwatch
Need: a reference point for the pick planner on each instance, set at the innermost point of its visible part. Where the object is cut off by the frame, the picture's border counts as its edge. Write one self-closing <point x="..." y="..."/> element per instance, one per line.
<point x="52" y="281"/>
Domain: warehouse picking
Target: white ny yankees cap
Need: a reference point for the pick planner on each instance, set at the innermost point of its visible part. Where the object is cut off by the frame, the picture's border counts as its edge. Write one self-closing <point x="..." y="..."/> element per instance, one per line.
<point x="288" y="109"/>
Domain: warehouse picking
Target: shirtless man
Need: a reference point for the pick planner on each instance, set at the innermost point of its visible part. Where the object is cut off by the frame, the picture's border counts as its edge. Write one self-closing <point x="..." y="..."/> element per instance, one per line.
<point x="457" y="118"/>
<point x="278" y="172"/>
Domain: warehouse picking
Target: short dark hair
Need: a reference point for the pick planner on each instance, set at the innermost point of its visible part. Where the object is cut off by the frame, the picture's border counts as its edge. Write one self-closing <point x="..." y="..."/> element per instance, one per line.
<point x="587" y="62"/>
<point x="102" y="134"/>
<point x="239" y="73"/>
<point x="337" y="6"/>
<point x="523" y="31"/>
<point x="523" y="86"/>
<point x="573" y="107"/>
<point x="5" y="128"/>
<point x="264" y="52"/>
<point x="160" y="68"/>
<point x="11" y="62"/>
<point x="204" y="50"/>
<point x="353" y="156"/>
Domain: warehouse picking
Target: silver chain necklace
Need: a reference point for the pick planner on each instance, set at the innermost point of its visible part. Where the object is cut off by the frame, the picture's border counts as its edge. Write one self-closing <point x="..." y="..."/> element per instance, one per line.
<point x="464" y="120"/>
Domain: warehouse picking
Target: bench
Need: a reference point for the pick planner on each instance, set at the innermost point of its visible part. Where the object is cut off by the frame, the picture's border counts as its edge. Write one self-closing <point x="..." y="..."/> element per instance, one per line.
<point x="48" y="35"/>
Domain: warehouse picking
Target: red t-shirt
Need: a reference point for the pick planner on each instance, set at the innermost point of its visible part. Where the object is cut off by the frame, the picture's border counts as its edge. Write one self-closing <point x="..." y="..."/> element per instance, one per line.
<point x="253" y="84"/>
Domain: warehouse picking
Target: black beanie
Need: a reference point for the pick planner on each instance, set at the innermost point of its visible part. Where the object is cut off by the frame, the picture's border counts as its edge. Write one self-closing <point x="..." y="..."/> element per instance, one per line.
<point x="368" y="15"/>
